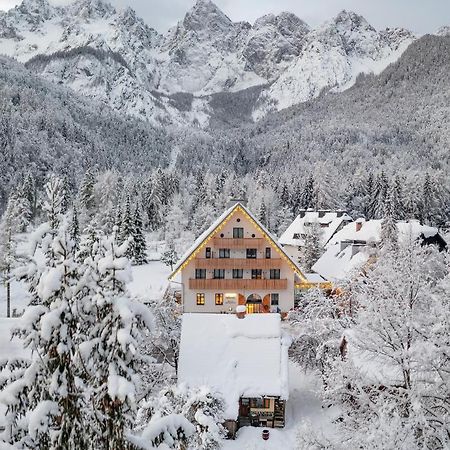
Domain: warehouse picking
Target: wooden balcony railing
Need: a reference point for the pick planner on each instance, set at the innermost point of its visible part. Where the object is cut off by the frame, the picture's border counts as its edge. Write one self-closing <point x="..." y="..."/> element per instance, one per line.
<point x="238" y="243"/>
<point x="237" y="284"/>
<point x="237" y="263"/>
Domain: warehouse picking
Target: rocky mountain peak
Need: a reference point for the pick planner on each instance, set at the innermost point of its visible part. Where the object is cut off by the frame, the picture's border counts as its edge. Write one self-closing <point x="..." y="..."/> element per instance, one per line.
<point x="35" y="11"/>
<point x="206" y="15"/>
<point x="351" y="21"/>
<point x="91" y="9"/>
<point x="443" y="31"/>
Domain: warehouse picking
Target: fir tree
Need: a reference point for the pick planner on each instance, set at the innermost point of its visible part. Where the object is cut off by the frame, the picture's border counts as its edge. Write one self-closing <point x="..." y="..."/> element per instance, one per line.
<point x="139" y="246"/>
<point x="75" y="229"/>
<point x="312" y="249"/>
<point x="169" y="256"/>
<point x="262" y="214"/>
<point x="126" y="227"/>
<point x="86" y="196"/>
<point x="307" y="196"/>
<point x="54" y="202"/>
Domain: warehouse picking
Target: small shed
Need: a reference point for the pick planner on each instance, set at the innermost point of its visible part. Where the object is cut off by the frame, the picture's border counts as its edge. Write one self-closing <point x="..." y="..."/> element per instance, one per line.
<point x="244" y="360"/>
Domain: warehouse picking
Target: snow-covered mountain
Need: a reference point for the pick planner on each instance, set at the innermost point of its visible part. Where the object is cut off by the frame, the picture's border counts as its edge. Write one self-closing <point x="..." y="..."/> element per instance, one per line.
<point x="113" y="56"/>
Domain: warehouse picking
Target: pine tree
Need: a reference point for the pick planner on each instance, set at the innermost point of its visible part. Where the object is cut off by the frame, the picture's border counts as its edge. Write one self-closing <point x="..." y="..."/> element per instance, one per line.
<point x="109" y="352"/>
<point x="54" y="202"/>
<point x="48" y="392"/>
<point x="389" y="231"/>
<point x="262" y="214"/>
<point x="307" y="196"/>
<point x="312" y="249"/>
<point x="139" y="246"/>
<point x="86" y="195"/>
<point x="75" y="229"/>
<point x="126" y="230"/>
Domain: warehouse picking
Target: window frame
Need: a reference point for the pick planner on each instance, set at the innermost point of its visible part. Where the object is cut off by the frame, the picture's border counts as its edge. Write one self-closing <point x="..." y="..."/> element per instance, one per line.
<point x="256" y="274"/>
<point x="224" y="253"/>
<point x="238" y="233"/>
<point x="249" y="252"/>
<point x="275" y="274"/>
<point x="219" y="272"/>
<point x="200" y="298"/>
<point x="201" y="272"/>
<point x="275" y="299"/>
<point x="208" y="253"/>
<point x="268" y="253"/>
<point x="238" y="271"/>
<point x="220" y="296"/>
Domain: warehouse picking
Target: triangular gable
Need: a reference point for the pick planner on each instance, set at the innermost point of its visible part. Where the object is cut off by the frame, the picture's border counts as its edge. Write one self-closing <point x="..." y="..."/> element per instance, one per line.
<point x="205" y="237"/>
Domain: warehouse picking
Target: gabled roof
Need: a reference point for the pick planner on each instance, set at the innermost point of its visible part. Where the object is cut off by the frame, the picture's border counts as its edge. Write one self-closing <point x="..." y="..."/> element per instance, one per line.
<point x="235" y="357"/>
<point x="218" y="224"/>
<point x="333" y="220"/>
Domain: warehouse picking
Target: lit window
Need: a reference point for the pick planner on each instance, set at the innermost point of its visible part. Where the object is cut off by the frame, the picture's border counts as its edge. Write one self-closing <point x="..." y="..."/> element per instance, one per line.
<point x="238" y="233"/>
<point x="200" y="299"/>
<point x="256" y="274"/>
<point x="219" y="299"/>
<point x="274" y="274"/>
<point x="200" y="274"/>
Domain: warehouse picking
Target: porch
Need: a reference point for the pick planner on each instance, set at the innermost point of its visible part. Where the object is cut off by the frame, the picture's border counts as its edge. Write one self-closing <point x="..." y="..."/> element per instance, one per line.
<point x="267" y="412"/>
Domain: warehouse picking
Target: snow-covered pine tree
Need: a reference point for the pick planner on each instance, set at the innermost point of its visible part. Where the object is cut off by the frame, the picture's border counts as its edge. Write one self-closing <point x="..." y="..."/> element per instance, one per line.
<point x="53" y="204"/>
<point x="307" y="195"/>
<point x="86" y="193"/>
<point x="74" y="229"/>
<point x="182" y="418"/>
<point x="139" y="245"/>
<point x="45" y="403"/>
<point x="109" y="351"/>
<point x="262" y="213"/>
<point x="126" y="229"/>
<point x="312" y="249"/>
<point x="389" y="231"/>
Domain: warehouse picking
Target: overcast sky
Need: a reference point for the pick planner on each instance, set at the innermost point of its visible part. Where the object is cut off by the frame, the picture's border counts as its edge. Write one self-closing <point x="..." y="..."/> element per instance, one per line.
<point x="420" y="16"/>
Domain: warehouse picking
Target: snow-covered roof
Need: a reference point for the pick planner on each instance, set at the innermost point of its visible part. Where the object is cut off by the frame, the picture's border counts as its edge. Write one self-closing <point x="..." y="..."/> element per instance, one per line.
<point x="234" y="357"/>
<point x="209" y="233"/>
<point x="349" y="249"/>
<point x="330" y="221"/>
<point x="339" y="263"/>
<point x="371" y="231"/>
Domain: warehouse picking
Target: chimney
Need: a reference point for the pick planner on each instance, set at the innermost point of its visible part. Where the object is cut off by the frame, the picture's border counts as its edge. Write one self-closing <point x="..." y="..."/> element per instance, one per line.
<point x="241" y="310"/>
<point x="234" y="201"/>
<point x="359" y="224"/>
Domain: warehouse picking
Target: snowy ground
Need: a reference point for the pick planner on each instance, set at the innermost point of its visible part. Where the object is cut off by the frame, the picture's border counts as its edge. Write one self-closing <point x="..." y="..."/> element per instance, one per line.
<point x="303" y="405"/>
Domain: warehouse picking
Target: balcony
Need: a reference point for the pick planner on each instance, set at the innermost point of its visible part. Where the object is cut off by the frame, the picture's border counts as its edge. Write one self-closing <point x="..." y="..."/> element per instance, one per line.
<point x="237" y="263"/>
<point x="237" y="284"/>
<point x="238" y="243"/>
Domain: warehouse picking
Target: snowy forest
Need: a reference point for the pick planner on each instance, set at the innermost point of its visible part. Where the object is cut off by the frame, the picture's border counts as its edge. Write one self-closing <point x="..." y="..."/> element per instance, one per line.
<point x="97" y="206"/>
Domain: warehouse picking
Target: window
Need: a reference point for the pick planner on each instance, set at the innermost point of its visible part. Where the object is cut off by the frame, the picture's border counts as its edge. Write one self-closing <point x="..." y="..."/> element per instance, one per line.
<point x="208" y="252"/>
<point x="268" y="253"/>
<point x="274" y="274"/>
<point x="251" y="253"/>
<point x="224" y="253"/>
<point x="274" y="299"/>
<point x="219" y="274"/>
<point x="219" y="299"/>
<point x="238" y="233"/>
<point x="238" y="273"/>
<point x="200" y="299"/>
<point x="260" y="403"/>
<point x="256" y="274"/>
<point x="200" y="274"/>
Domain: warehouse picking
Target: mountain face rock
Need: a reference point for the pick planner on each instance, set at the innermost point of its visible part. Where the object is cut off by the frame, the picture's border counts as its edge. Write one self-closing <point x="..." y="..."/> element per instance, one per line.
<point x="331" y="59"/>
<point x="113" y="56"/>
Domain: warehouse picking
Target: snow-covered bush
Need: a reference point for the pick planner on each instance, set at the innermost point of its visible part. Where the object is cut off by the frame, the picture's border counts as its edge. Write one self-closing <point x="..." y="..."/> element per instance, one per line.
<point x="178" y="405"/>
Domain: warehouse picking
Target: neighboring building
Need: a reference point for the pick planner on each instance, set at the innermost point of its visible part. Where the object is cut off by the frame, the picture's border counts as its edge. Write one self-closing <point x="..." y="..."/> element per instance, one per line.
<point x="330" y="222"/>
<point x="355" y="244"/>
<point x="237" y="262"/>
<point x="244" y="360"/>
